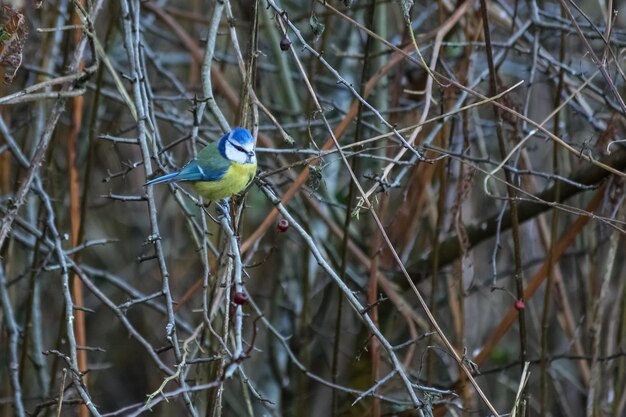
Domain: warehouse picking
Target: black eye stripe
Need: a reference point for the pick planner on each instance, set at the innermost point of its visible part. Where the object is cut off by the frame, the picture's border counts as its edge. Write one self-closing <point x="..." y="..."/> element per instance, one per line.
<point x="239" y="148"/>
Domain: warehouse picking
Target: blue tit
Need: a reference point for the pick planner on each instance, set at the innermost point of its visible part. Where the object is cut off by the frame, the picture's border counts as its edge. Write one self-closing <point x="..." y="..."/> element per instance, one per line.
<point x="221" y="169"/>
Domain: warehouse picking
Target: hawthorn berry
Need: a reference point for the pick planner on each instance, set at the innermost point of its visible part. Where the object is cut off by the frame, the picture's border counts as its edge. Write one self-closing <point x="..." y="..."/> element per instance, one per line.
<point x="285" y="44"/>
<point x="240" y="298"/>
<point x="283" y="225"/>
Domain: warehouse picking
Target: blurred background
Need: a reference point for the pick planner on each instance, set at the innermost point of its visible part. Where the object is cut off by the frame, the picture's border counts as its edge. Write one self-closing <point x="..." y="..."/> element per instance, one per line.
<point x="479" y="177"/>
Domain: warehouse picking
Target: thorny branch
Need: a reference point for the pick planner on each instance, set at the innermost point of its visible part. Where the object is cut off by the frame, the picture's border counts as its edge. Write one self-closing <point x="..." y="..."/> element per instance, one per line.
<point x="161" y="274"/>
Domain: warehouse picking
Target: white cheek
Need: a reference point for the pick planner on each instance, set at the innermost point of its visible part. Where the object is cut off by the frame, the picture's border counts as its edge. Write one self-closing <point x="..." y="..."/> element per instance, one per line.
<point x="252" y="159"/>
<point x="234" y="155"/>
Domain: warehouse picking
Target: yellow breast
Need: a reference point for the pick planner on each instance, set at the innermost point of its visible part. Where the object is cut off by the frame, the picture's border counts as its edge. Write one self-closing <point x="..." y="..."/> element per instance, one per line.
<point x="236" y="179"/>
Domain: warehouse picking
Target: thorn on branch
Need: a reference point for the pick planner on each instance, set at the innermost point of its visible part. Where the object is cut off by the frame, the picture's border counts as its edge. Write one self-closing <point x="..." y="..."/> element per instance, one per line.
<point x="141" y="259"/>
<point x="382" y="183"/>
<point x="128" y="78"/>
<point x="369" y="307"/>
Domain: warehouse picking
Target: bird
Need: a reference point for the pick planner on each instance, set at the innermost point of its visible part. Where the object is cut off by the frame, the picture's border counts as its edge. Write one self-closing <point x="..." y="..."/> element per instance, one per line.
<point x="221" y="169"/>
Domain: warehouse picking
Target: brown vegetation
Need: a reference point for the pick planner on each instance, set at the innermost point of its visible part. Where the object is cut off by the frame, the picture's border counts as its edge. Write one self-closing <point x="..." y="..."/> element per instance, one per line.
<point x="435" y="228"/>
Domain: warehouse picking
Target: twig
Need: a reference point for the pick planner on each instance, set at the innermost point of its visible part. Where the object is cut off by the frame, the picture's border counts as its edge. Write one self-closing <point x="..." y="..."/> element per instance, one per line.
<point x="238" y="285"/>
<point x="14" y="334"/>
<point x="132" y="42"/>
<point x="354" y="302"/>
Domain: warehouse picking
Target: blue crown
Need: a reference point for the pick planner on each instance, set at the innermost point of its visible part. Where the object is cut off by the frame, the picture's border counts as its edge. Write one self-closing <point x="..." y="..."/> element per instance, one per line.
<point x="238" y="135"/>
<point x="241" y="135"/>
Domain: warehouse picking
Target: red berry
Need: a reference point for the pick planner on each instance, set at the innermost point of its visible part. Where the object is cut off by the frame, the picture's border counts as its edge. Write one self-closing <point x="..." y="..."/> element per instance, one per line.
<point x="519" y="304"/>
<point x="240" y="298"/>
<point x="285" y="43"/>
<point x="283" y="225"/>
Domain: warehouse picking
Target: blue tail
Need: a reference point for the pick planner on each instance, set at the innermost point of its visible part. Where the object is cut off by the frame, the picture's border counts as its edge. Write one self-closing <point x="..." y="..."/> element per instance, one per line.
<point x="163" y="178"/>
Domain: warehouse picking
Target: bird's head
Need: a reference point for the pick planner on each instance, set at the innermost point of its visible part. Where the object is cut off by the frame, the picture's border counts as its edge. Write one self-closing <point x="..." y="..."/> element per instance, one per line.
<point x="238" y="146"/>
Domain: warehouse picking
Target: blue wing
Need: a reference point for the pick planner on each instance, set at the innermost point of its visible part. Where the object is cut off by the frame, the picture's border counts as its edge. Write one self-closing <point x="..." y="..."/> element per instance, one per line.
<point x="193" y="171"/>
